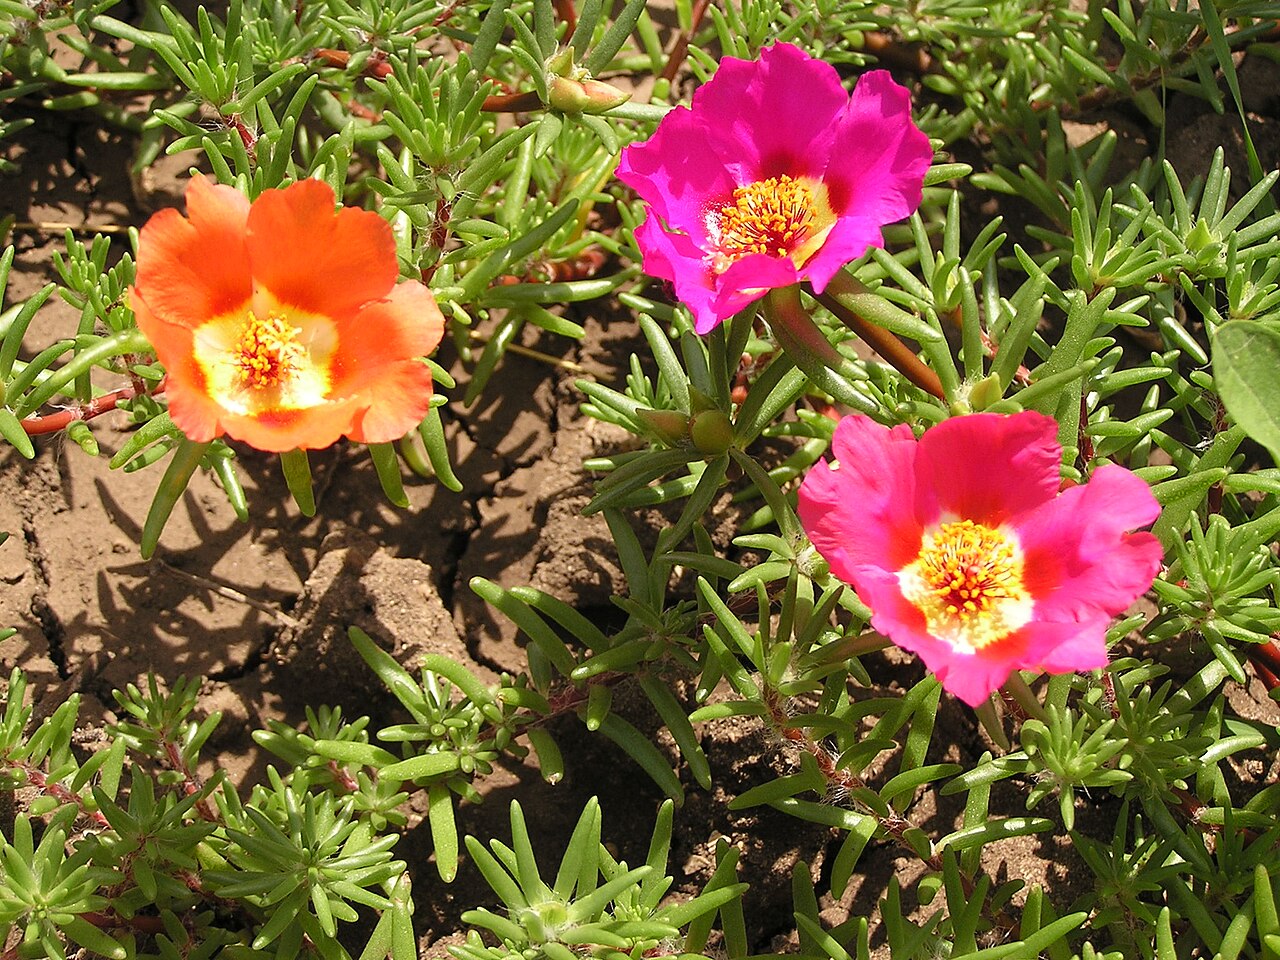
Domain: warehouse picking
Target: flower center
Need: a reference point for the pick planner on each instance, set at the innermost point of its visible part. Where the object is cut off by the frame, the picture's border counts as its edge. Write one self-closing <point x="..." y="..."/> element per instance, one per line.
<point x="267" y="353"/>
<point x="967" y="581"/>
<point x="771" y="216"/>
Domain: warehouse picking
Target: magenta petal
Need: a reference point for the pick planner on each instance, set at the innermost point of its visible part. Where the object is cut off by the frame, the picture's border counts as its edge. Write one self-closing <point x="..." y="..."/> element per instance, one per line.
<point x="778" y="114"/>
<point x="1076" y="647"/>
<point x="1081" y="566"/>
<point x="860" y="513"/>
<point x="1080" y="559"/>
<point x="676" y="172"/>
<point x="988" y="468"/>
<point x="879" y="157"/>
<point x="848" y="240"/>
<point x="971" y="678"/>
<point x="712" y="298"/>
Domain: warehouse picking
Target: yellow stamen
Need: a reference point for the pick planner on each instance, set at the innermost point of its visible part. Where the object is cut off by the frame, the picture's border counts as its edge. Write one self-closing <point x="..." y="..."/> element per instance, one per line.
<point x="770" y="216"/>
<point x="968" y="583"/>
<point x="267" y="353"/>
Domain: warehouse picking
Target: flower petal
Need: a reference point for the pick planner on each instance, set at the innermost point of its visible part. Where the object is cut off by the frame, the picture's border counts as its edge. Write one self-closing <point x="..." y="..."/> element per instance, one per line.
<point x="276" y="431"/>
<point x="860" y="513"/>
<point x="1080" y="559"/>
<point x="879" y="157"/>
<point x="970" y="676"/>
<point x="988" y="468"/>
<point x="1074" y="647"/>
<point x="712" y="298"/>
<point x="316" y="258"/>
<point x="195" y="267"/>
<point x="777" y="114"/>
<point x="406" y="324"/>
<point x="676" y="173"/>
<point x="848" y="240"/>
<point x="394" y="404"/>
<point x="379" y="368"/>
<point x="191" y="408"/>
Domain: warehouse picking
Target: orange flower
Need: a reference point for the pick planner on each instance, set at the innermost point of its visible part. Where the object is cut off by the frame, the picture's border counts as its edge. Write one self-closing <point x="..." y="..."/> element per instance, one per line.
<point x="280" y="323"/>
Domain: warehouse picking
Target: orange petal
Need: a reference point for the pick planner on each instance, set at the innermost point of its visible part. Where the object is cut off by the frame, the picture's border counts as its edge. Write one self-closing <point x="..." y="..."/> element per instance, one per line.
<point x="312" y="428"/>
<point x="404" y="325"/>
<point x="393" y="404"/>
<point x="196" y="268"/>
<point x="192" y="409"/>
<point x="318" y="259"/>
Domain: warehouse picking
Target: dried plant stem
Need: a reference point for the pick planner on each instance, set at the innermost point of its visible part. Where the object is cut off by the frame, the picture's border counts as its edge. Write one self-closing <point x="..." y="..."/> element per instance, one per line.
<point x="222" y="590"/>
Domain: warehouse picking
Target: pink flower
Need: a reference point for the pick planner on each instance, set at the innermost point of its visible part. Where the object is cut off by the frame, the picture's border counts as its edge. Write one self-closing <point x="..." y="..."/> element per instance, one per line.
<point x="966" y="552"/>
<point x="775" y="175"/>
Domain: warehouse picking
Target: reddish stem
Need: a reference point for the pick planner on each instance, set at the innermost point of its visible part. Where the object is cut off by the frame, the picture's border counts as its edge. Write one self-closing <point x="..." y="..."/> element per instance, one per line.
<point x="1265" y="658"/>
<point x="107" y="921"/>
<point x="680" y="49"/>
<point x="191" y="782"/>
<point x="512" y="102"/>
<point x="375" y="66"/>
<point x="566" y="11"/>
<point x="891" y="51"/>
<point x="884" y="342"/>
<point x="345" y="780"/>
<point x="36" y="778"/>
<point x="35" y="426"/>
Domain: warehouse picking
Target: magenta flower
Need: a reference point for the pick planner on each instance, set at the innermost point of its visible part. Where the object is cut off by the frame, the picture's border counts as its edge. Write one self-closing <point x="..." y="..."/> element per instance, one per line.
<point x="966" y="552"/>
<point x="775" y="175"/>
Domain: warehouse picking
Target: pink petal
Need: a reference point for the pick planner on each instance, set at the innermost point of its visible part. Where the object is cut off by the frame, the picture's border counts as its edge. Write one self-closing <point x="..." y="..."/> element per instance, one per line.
<point x="777" y="114"/>
<point x="848" y="240"/>
<point x="1058" y="647"/>
<point x="880" y="157"/>
<point x="677" y="172"/>
<point x="971" y="677"/>
<point x="861" y="514"/>
<point x="676" y="258"/>
<point x="988" y="468"/>
<point x="1080" y="561"/>
<point x="1076" y="647"/>
<point x="712" y="298"/>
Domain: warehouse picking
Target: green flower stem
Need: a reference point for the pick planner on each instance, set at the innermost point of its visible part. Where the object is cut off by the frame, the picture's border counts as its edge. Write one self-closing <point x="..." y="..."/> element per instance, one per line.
<point x="811" y="351"/>
<point x="986" y="714"/>
<point x="869" y="316"/>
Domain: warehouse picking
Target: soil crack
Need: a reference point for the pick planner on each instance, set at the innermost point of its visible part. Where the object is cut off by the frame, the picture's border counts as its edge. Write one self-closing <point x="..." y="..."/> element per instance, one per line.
<point x="51" y="625"/>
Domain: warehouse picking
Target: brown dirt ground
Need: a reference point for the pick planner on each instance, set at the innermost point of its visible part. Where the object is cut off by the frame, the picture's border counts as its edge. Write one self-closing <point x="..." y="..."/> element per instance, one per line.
<point x="260" y="608"/>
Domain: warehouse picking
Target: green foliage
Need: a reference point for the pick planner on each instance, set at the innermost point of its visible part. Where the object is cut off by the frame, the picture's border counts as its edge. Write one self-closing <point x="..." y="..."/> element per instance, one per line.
<point x="595" y="900"/>
<point x="1136" y="305"/>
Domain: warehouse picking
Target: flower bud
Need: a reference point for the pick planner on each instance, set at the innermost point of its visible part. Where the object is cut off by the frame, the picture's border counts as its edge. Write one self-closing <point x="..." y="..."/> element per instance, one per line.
<point x="560" y="63"/>
<point x="668" y="426"/>
<point x="602" y="97"/>
<point x="985" y="392"/>
<point x="565" y="95"/>
<point x="712" y="432"/>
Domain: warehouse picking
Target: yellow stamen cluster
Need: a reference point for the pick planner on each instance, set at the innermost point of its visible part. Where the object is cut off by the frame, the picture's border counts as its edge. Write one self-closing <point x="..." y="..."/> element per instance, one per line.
<point x="967" y="581"/>
<point x="267" y="353"/>
<point x="772" y="216"/>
